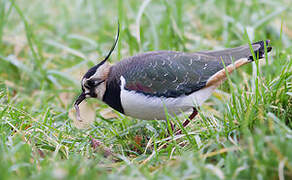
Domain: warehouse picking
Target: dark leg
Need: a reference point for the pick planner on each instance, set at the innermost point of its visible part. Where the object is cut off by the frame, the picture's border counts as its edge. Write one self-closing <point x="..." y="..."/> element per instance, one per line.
<point x="171" y="125"/>
<point x="187" y="121"/>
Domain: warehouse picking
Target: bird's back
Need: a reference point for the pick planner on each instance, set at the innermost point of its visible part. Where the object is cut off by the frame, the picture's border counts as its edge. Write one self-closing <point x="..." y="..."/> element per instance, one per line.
<point x="172" y="77"/>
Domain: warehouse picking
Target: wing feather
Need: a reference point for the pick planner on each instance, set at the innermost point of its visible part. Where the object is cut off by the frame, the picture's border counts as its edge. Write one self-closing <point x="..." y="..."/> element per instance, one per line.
<point x="167" y="73"/>
<point x="173" y="74"/>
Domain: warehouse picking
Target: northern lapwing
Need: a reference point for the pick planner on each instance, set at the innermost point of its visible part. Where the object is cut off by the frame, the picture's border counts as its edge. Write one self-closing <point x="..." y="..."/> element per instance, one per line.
<point x="144" y="85"/>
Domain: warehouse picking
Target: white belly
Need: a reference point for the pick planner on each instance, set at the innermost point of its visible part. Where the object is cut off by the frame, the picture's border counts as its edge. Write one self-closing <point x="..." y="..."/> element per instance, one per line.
<point x="139" y="106"/>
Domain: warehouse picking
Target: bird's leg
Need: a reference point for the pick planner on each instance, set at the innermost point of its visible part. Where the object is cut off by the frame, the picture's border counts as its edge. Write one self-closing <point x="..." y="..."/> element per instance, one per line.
<point x="187" y="121"/>
<point x="171" y="126"/>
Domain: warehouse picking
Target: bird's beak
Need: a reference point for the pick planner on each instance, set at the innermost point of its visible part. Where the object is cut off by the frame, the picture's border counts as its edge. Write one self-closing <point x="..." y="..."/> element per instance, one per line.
<point x="80" y="99"/>
<point x="77" y="102"/>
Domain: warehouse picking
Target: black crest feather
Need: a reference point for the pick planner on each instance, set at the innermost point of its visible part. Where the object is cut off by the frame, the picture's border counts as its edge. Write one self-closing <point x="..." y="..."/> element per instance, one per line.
<point x="114" y="45"/>
<point x="92" y="70"/>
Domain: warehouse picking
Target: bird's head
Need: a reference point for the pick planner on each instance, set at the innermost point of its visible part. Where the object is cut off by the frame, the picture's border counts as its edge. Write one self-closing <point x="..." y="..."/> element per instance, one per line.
<point x="93" y="83"/>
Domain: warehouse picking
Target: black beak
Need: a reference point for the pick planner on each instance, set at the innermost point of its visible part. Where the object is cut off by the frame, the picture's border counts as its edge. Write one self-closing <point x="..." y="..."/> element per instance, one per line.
<point x="77" y="102"/>
<point x="80" y="99"/>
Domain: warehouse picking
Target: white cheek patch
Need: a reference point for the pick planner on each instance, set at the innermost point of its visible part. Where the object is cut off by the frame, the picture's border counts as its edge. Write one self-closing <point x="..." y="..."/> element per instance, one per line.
<point x="100" y="90"/>
<point x="86" y="90"/>
<point x="83" y="82"/>
<point x="101" y="72"/>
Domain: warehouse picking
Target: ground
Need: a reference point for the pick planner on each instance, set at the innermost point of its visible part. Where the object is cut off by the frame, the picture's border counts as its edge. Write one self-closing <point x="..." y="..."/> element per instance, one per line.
<point x="242" y="132"/>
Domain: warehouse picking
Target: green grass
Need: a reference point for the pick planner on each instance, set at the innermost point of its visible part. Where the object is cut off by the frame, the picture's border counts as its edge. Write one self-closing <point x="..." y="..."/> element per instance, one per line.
<point x="244" y="131"/>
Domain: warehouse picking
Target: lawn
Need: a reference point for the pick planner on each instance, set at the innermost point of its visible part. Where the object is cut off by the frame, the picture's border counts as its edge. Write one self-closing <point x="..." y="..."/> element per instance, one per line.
<point x="244" y="131"/>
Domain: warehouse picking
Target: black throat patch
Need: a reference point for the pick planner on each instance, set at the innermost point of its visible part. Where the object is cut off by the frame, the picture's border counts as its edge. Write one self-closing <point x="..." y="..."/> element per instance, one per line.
<point x="112" y="95"/>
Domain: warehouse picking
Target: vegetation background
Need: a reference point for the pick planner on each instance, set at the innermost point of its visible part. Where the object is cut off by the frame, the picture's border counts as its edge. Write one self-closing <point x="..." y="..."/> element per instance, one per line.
<point x="242" y="132"/>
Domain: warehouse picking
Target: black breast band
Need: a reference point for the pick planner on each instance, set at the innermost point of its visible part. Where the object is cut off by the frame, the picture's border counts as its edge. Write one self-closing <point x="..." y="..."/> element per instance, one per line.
<point x="112" y="95"/>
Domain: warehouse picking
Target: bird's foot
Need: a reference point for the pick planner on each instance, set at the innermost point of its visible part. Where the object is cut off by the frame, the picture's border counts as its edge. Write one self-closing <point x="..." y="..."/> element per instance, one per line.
<point x="179" y="131"/>
<point x="187" y="121"/>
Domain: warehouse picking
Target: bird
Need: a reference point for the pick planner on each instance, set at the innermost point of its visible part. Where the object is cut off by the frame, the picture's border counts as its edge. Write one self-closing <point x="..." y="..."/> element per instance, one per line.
<point x="147" y="85"/>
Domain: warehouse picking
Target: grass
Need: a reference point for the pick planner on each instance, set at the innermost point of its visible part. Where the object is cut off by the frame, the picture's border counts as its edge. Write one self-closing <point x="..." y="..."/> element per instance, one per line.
<point x="242" y="132"/>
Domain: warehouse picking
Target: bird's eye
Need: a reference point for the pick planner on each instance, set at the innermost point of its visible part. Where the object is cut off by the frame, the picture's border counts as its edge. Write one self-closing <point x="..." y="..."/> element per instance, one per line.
<point x="91" y="83"/>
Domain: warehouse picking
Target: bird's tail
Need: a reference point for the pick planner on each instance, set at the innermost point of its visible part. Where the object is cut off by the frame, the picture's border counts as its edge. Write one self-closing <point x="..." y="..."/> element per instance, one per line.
<point x="259" y="49"/>
<point x="241" y="56"/>
<point x="233" y="54"/>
